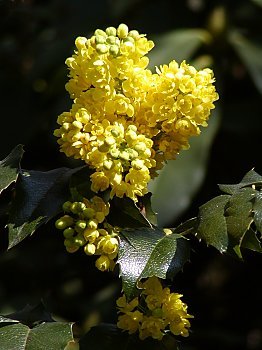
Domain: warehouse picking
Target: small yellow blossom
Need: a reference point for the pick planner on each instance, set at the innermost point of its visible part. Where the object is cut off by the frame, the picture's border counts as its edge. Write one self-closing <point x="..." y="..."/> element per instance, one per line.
<point x="158" y="311"/>
<point x="126" y="121"/>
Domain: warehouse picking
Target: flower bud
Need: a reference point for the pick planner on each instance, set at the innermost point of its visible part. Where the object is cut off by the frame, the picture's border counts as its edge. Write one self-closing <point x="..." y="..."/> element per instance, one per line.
<point x="111" y="31"/>
<point x="81" y="224"/>
<point x="101" y="48"/>
<point x="103" y="263"/>
<point x="89" y="213"/>
<point x="67" y="206"/>
<point x="90" y="249"/>
<point x="122" y="31"/>
<point x="68" y="232"/>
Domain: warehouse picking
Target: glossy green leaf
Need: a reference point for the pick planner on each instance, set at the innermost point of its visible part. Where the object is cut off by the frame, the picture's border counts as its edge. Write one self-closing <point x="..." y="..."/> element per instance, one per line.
<point x="109" y="337"/>
<point x="251" y="54"/>
<point x="177" y="45"/>
<point x="179" y="180"/>
<point x="257" y="208"/>
<point x="212" y="223"/>
<point x="51" y="336"/>
<point x="146" y="252"/>
<point x="39" y="197"/>
<point x="251" y="178"/>
<point x="9" y="167"/>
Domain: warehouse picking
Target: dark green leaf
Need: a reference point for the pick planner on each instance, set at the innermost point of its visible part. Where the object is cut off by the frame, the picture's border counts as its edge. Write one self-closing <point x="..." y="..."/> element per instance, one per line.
<point x="250" y="241"/>
<point x="251" y="53"/>
<point x="9" y="167"/>
<point x="109" y="337"/>
<point x="251" y="178"/>
<point x="80" y="184"/>
<point x="39" y="197"/>
<point x="187" y="227"/>
<point x="31" y="315"/>
<point x="125" y="213"/>
<point x="51" y="336"/>
<point x="146" y="252"/>
<point x="257" y="208"/>
<point x="238" y="213"/>
<point x="212" y="223"/>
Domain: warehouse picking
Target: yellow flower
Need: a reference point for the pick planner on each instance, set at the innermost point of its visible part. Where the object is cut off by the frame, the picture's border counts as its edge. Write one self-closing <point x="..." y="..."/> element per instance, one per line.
<point x="162" y="310"/>
<point x="126" y="121"/>
<point x="152" y="327"/>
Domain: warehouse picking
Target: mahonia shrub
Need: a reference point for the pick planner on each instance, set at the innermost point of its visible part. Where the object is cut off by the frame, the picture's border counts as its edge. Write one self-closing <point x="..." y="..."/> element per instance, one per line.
<point x="125" y="123"/>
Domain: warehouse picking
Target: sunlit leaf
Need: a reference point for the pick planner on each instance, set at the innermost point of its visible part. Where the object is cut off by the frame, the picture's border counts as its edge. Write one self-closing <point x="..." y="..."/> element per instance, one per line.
<point x="51" y="336"/>
<point x="9" y="167"/>
<point x="251" y="54"/>
<point x="146" y="252"/>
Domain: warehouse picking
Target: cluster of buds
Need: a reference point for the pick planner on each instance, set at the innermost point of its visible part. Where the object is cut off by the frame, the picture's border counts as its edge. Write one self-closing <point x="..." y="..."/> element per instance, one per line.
<point x="84" y="226"/>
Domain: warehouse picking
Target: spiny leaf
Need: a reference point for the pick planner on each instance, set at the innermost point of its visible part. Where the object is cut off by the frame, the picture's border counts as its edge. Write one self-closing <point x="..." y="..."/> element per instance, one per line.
<point x="146" y="252"/>
<point x="212" y="223"/>
<point x="238" y="213"/>
<point x="9" y="167"/>
<point x="39" y="197"/>
<point x="251" y="178"/>
<point x="51" y="336"/>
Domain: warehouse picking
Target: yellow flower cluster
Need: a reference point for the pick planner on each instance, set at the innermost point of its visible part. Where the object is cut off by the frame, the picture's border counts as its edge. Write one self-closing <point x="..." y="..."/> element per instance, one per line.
<point x="84" y="226"/>
<point x="154" y="312"/>
<point x="126" y="121"/>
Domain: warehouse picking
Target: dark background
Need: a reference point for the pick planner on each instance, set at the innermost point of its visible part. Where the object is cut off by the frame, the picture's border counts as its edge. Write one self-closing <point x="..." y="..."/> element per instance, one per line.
<point x="223" y="293"/>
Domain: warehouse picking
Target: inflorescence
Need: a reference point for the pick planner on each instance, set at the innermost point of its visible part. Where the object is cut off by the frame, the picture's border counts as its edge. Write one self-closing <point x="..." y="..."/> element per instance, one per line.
<point x="126" y="121"/>
<point x="154" y="312"/>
